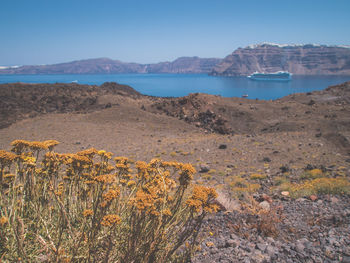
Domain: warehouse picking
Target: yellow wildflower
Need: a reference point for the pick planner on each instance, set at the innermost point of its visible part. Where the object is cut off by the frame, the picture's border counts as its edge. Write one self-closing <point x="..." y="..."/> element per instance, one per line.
<point x="167" y="212"/>
<point x="186" y="174"/>
<point x="51" y="143"/>
<point x="202" y="198"/>
<point x="87" y="213"/>
<point x="7" y="158"/>
<point x="37" y="146"/>
<point x="104" y="178"/>
<point x="3" y="220"/>
<point x="131" y="183"/>
<point x="88" y="152"/>
<point x="110" y="220"/>
<point x="110" y="195"/>
<point x="19" y="145"/>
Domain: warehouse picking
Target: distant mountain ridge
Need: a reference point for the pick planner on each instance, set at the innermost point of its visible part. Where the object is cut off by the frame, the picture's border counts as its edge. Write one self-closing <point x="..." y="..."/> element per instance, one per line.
<point x="109" y="66"/>
<point x="309" y="59"/>
<point x="299" y="59"/>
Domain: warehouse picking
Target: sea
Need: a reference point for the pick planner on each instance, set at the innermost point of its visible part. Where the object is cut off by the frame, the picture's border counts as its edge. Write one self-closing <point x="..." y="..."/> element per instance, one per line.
<point x="177" y="85"/>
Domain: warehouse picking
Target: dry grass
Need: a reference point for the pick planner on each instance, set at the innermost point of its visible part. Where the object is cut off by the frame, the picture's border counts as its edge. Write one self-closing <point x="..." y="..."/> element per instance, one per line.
<point x="83" y="207"/>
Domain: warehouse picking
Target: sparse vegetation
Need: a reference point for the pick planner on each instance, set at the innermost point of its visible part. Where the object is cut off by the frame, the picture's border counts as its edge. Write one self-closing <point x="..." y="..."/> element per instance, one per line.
<point x="240" y="186"/>
<point x="322" y="185"/>
<point x="81" y="208"/>
<point x="319" y="185"/>
<point x="256" y="176"/>
<point x="266" y="222"/>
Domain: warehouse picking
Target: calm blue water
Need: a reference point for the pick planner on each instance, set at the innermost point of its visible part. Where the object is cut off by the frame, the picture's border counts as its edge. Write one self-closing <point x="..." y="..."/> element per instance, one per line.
<point x="175" y="85"/>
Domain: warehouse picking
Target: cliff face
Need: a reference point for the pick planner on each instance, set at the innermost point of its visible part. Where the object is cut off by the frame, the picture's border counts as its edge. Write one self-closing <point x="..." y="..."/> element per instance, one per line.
<point x="109" y="66"/>
<point x="184" y="65"/>
<point x="297" y="59"/>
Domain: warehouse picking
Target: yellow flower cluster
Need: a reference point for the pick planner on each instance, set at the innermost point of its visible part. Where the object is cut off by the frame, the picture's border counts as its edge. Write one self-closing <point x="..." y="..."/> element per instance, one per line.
<point x="19" y="145"/>
<point x="88" y="152"/>
<point x="37" y="146"/>
<point x="87" y="213"/>
<point x="144" y="200"/>
<point x="186" y="174"/>
<point x="202" y="198"/>
<point x="167" y="212"/>
<point x="110" y="220"/>
<point x="104" y="154"/>
<point x="3" y="220"/>
<point x="131" y="183"/>
<point x="6" y="158"/>
<point x="51" y="143"/>
<point x="105" y="178"/>
<point x="76" y="159"/>
<point x="110" y="195"/>
<point x="122" y="162"/>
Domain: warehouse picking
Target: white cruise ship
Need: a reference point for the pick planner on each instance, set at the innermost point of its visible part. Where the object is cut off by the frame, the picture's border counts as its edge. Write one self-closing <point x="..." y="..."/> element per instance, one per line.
<point x="277" y="76"/>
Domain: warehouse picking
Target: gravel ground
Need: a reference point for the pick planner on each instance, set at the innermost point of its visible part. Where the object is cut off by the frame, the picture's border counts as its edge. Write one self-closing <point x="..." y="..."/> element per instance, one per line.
<point x="310" y="232"/>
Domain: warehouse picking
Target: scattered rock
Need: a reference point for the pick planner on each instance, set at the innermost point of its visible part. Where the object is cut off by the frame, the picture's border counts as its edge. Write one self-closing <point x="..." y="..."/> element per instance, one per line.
<point x="313" y="198"/>
<point x="203" y="168"/>
<point x="232" y="243"/>
<point x="299" y="247"/>
<point x="317" y="135"/>
<point x="267" y="159"/>
<point x="222" y="146"/>
<point x="261" y="246"/>
<point x="300" y="199"/>
<point x="265" y="205"/>
<point x="284" y="169"/>
<point x="334" y="199"/>
<point x="311" y="102"/>
<point x="267" y="198"/>
<point x="285" y="193"/>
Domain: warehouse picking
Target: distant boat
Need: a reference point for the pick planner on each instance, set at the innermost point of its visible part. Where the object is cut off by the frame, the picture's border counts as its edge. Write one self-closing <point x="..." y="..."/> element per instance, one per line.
<point x="277" y="76"/>
<point x="74" y="81"/>
<point x="244" y="95"/>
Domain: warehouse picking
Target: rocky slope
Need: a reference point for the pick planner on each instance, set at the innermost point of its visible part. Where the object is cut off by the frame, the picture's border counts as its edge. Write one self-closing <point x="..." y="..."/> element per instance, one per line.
<point x="322" y="113"/>
<point x="184" y="65"/>
<point x="19" y="101"/>
<point x="297" y="59"/>
<point x="109" y="66"/>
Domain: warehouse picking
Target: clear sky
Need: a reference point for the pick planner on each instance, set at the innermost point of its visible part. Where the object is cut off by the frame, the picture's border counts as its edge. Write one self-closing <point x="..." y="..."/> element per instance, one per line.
<point x="147" y="31"/>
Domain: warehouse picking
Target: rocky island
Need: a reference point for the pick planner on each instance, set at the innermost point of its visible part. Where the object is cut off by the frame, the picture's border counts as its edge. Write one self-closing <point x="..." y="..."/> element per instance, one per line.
<point x="297" y="59"/>
<point x="110" y="66"/>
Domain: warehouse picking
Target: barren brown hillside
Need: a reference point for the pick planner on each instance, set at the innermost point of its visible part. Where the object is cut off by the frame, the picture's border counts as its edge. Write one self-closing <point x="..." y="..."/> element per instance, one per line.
<point x="238" y="145"/>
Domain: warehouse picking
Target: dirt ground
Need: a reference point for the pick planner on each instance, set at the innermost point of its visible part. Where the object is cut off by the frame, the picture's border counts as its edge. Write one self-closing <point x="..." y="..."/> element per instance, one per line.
<point x="127" y="130"/>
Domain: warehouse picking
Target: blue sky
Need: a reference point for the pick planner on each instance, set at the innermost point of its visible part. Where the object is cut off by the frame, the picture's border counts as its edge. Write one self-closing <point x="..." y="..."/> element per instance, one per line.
<point x="148" y="31"/>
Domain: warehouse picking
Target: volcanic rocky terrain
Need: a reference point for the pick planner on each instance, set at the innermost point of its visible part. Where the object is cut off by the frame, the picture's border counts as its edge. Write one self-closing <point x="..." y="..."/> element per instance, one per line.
<point x="228" y="140"/>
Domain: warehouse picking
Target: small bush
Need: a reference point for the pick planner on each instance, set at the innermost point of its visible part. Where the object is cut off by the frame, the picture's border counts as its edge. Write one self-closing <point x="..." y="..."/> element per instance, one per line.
<point x="312" y="174"/>
<point x="212" y="171"/>
<point x="83" y="208"/>
<point x="321" y="186"/>
<point x="256" y="176"/>
<point x="266" y="222"/>
<point x="280" y="180"/>
<point x="240" y="186"/>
